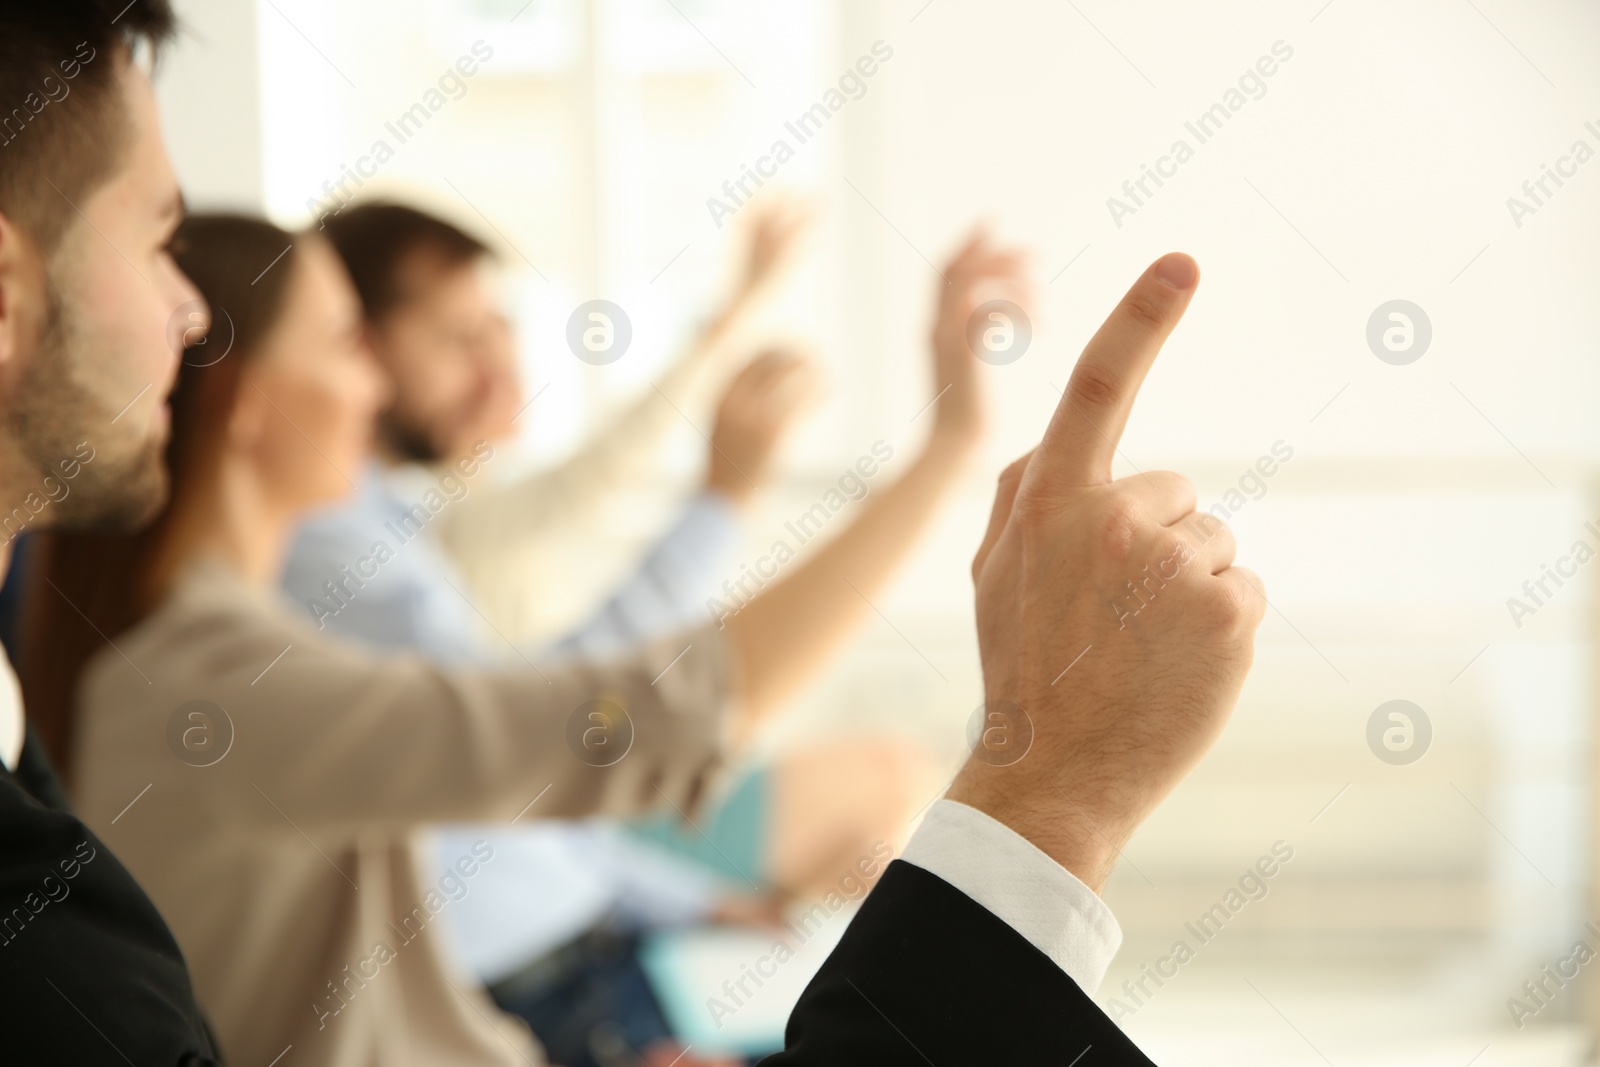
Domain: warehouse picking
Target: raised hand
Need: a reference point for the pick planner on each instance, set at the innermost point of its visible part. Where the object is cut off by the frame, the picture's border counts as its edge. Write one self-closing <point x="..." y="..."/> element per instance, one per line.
<point x="776" y="235"/>
<point x="980" y="271"/>
<point x="757" y="410"/>
<point x="1109" y="612"/>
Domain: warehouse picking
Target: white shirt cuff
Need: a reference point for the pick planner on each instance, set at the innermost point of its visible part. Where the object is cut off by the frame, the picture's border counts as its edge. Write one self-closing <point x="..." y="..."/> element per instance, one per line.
<point x="13" y="730"/>
<point x="1023" y="887"/>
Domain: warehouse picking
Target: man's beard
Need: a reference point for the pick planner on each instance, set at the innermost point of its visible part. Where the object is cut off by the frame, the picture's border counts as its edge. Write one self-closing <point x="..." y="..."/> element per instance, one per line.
<point x="56" y="419"/>
<point x="408" y="439"/>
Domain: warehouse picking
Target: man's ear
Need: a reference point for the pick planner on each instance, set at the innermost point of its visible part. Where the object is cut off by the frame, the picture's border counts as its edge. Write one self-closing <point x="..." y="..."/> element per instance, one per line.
<point x="23" y="298"/>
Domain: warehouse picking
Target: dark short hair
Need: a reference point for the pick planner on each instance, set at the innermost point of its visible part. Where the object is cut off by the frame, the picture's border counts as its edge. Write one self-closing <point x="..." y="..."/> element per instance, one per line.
<point x="378" y="241"/>
<point x="62" y="121"/>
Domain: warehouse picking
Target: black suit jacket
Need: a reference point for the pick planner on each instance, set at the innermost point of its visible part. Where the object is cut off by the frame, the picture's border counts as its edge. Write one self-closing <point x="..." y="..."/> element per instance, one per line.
<point x="89" y="972"/>
<point x="927" y="977"/>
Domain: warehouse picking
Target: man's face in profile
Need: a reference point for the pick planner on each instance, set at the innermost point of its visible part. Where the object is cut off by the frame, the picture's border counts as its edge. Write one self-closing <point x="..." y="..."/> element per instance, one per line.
<point x="450" y="352"/>
<point x="102" y="367"/>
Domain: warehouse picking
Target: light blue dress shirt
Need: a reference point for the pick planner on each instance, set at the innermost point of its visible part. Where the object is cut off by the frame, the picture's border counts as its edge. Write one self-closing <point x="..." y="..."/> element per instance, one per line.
<point x="409" y="600"/>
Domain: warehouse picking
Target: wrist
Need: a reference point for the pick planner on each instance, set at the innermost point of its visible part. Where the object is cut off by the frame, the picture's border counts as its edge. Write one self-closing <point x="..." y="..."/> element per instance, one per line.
<point x="729" y="487"/>
<point x="1075" y="831"/>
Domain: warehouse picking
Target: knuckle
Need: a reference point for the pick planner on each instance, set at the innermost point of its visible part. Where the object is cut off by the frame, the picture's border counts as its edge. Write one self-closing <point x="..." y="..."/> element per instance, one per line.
<point x="1171" y="550"/>
<point x="1174" y="489"/>
<point x="1094" y="385"/>
<point x="1205" y="528"/>
<point x="1253" y="591"/>
<point x="1182" y="484"/>
<point x="1234" y="605"/>
<point x="977" y="565"/>
<point x="1142" y="313"/>
<point x="1253" y="581"/>
<point x="1012" y="475"/>
<point x="1231" y="606"/>
<point x="1119" y="527"/>
<point x="1029" y="512"/>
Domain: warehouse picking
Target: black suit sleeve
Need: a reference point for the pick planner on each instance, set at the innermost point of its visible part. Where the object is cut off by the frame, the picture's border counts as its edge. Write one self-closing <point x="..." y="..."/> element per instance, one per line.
<point x="927" y="976"/>
<point x="89" y="972"/>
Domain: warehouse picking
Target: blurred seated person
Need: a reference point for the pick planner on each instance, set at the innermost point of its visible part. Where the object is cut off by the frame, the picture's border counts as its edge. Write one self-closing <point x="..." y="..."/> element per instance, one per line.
<point x="436" y="321"/>
<point x="552" y="928"/>
<point x="282" y="775"/>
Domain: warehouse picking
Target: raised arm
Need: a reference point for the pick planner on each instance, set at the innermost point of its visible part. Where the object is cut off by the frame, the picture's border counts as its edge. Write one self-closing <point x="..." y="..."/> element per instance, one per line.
<point x="667" y="590"/>
<point x="388" y="742"/>
<point x="788" y="631"/>
<point x="510" y="540"/>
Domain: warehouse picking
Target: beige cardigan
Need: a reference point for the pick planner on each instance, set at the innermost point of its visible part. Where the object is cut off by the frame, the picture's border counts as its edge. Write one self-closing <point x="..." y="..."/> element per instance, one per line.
<point x="286" y="868"/>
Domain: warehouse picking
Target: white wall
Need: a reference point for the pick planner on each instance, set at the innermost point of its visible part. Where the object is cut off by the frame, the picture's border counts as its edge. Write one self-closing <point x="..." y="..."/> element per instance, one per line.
<point x="209" y="86"/>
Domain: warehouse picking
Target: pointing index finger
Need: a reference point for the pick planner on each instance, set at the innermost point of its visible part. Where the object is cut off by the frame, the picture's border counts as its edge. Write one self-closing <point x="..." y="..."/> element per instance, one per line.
<point x="1082" y="437"/>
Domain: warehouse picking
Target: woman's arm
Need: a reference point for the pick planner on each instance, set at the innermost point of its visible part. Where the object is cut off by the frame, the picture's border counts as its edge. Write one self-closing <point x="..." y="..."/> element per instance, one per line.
<point x="791" y="628"/>
<point x="340" y="736"/>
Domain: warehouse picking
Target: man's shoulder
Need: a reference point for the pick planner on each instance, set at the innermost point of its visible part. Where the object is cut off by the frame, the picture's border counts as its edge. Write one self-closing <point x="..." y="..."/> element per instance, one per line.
<point x="79" y="940"/>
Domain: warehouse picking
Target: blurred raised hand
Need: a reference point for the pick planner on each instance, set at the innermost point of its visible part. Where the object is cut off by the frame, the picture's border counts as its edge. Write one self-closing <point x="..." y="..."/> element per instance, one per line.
<point x="789" y="629"/>
<point x="777" y="236"/>
<point x="757" y="411"/>
<point x="776" y="232"/>
<point x="980" y="271"/>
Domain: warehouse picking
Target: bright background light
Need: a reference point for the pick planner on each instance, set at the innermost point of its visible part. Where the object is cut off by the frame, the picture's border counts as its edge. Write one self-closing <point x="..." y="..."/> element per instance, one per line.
<point x="1375" y="164"/>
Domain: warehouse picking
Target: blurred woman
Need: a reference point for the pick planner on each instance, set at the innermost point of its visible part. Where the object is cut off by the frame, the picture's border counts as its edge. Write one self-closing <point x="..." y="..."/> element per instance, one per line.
<point x="263" y="780"/>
